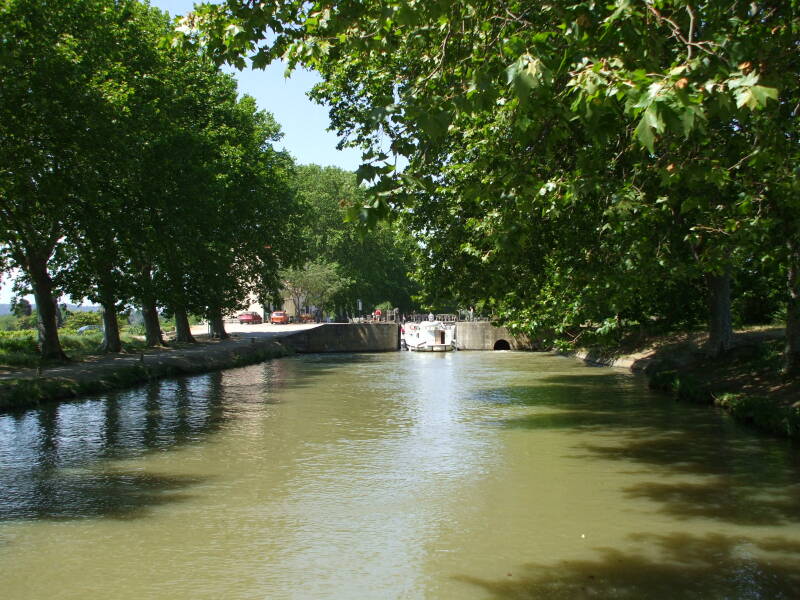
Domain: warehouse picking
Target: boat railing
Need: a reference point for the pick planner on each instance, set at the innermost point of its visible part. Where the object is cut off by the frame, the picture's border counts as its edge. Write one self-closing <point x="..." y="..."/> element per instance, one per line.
<point x="462" y="316"/>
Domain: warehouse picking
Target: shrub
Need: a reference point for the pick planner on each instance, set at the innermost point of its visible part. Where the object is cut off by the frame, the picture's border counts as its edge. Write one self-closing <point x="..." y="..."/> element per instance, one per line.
<point x="19" y="348"/>
<point x="763" y="413"/>
<point x="8" y="323"/>
<point x="78" y="319"/>
<point x="28" y="322"/>
<point x="684" y="386"/>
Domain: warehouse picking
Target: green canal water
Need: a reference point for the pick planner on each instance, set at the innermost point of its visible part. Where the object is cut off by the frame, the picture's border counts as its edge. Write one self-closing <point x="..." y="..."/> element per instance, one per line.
<point x="400" y="475"/>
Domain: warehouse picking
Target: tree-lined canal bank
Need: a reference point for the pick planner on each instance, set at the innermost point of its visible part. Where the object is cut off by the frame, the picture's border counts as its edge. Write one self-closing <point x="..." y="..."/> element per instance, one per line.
<point x="463" y="475"/>
<point x="28" y="388"/>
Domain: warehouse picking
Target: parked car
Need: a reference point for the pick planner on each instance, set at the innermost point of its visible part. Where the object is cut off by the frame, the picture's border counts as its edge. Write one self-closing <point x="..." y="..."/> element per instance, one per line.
<point x="307" y="318"/>
<point x="279" y="317"/>
<point x="250" y="318"/>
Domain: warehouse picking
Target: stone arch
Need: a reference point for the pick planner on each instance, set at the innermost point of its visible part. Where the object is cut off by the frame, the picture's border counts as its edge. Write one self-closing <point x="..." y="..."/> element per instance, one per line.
<point x="502" y="345"/>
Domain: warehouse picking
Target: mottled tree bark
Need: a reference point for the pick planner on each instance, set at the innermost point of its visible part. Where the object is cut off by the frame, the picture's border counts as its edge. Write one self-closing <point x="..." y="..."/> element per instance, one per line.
<point x="152" y="326"/>
<point x="111" y="341"/>
<point x="720" y="329"/>
<point x="183" y="331"/>
<point x="58" y="313"/>
<point x="217" y="324"/>
<point x="791" y="357"/>
<point x="49" y="344"/>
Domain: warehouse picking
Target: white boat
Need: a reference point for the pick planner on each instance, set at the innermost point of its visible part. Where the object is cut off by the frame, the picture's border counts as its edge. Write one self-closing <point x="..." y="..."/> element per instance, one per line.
<point x="429" y="336"/>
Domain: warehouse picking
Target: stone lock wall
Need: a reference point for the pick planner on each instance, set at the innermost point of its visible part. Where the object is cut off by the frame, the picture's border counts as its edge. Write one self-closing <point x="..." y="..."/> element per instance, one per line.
<point x="482" y="335"/>
<point x="347" y="337"/>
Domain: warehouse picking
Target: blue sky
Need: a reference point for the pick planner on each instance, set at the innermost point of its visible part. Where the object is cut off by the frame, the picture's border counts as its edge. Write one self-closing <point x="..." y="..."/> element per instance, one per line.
<point x="304" y="122"/>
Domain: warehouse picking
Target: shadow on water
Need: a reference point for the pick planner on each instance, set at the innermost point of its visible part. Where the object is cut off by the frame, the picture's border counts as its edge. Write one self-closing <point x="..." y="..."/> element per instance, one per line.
<point x="702" y="465"/>
<point x="687" y="567"/>
<point x="725" y="499"/>
<point x="117" y="495"/>
<point x="314" y="366"/>
<point x="575" y="403"/>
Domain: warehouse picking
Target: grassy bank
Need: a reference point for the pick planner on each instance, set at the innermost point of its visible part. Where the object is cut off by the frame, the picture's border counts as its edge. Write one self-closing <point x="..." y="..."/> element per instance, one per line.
<point x="20" y="348"/>
<point x="746" y="382"/>
<point x="26" y="388"/>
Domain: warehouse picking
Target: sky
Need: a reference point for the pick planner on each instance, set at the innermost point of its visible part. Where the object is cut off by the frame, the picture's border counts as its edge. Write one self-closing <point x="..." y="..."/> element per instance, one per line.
<point x="304" y="123"/>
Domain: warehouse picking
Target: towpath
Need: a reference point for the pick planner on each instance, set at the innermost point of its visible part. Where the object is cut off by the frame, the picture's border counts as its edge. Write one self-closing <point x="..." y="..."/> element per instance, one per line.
<point x="98" y="366"/>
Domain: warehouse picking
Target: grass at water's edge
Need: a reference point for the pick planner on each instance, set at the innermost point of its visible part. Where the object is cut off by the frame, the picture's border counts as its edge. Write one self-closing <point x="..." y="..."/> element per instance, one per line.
<point x="29" y="392"/>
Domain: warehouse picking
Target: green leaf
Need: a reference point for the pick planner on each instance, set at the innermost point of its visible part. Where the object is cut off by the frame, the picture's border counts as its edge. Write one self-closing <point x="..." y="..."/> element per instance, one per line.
<point x="745" y="97"/>
<point x="652" y="116"/>
<point x="687" y="120"/>
<point x="411" y="180"/>
<point x="366" y="172"/>
<point x="526" y="73"/>
<point x="762" y="94"/>
<point x="645" y="135"/>
<point x="435" y="125"/>
<point x="260" y="60"/>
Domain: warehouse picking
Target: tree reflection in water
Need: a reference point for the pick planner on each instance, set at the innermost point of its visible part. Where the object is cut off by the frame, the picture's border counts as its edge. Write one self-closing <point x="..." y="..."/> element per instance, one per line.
<point x="56" y="460"/>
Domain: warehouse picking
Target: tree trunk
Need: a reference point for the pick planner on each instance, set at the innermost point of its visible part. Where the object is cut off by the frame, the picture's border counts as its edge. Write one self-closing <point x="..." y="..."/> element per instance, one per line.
<point x="791" y="356"/>
<point x="152" y="326"/>
<point x="183" y="331"/>
<point x="217" y="325"/>
<point x="111" y="341"/>
<point x="720" y="331"/>
<point x="59" y="315"/>
<point x="49" y="344"/>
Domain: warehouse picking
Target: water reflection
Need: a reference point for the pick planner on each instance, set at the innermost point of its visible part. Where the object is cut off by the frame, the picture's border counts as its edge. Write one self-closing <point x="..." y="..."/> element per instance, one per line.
<point x="54" y="461"/>
<point x="463" y="475"/>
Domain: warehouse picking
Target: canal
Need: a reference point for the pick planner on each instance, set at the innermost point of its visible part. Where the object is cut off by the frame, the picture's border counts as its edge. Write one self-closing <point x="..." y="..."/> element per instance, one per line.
<point x="399" y="475"/>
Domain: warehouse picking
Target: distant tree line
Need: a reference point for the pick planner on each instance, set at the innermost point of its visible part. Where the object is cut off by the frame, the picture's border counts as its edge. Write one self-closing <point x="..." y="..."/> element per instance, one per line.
<point x="341" y="264"/>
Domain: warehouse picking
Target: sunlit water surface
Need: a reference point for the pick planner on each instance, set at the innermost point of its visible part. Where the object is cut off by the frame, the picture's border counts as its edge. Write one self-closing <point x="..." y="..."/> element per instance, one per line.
<point x="400" y="475"/>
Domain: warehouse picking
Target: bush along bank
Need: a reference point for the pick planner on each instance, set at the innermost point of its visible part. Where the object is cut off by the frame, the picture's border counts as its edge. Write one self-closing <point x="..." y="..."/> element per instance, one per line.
<point x="746" y="382"/>
<point x="763" y="412"/>
<point x="29" y="391"/>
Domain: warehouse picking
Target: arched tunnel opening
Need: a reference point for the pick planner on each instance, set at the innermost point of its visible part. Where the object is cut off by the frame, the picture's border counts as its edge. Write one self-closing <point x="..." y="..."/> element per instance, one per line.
<point x="502" y="345"/>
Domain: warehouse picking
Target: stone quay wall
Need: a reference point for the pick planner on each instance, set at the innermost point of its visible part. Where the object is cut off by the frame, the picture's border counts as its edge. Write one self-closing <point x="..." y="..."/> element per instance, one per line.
<point x="346" y="337"/>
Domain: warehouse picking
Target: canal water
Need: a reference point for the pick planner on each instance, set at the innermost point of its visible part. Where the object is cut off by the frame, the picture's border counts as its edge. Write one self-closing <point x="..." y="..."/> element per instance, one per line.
<point x="399" y="475"/>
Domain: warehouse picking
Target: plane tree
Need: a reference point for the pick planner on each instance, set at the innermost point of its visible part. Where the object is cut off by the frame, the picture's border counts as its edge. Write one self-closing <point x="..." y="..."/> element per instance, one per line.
<point x="130" y="171"/>
<point x="93" y="259"/>
<point x="375" y="266"/>
<point x="667" y="94"/>
<point x="63" y="89"/>
<point x="256" y="233"/>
